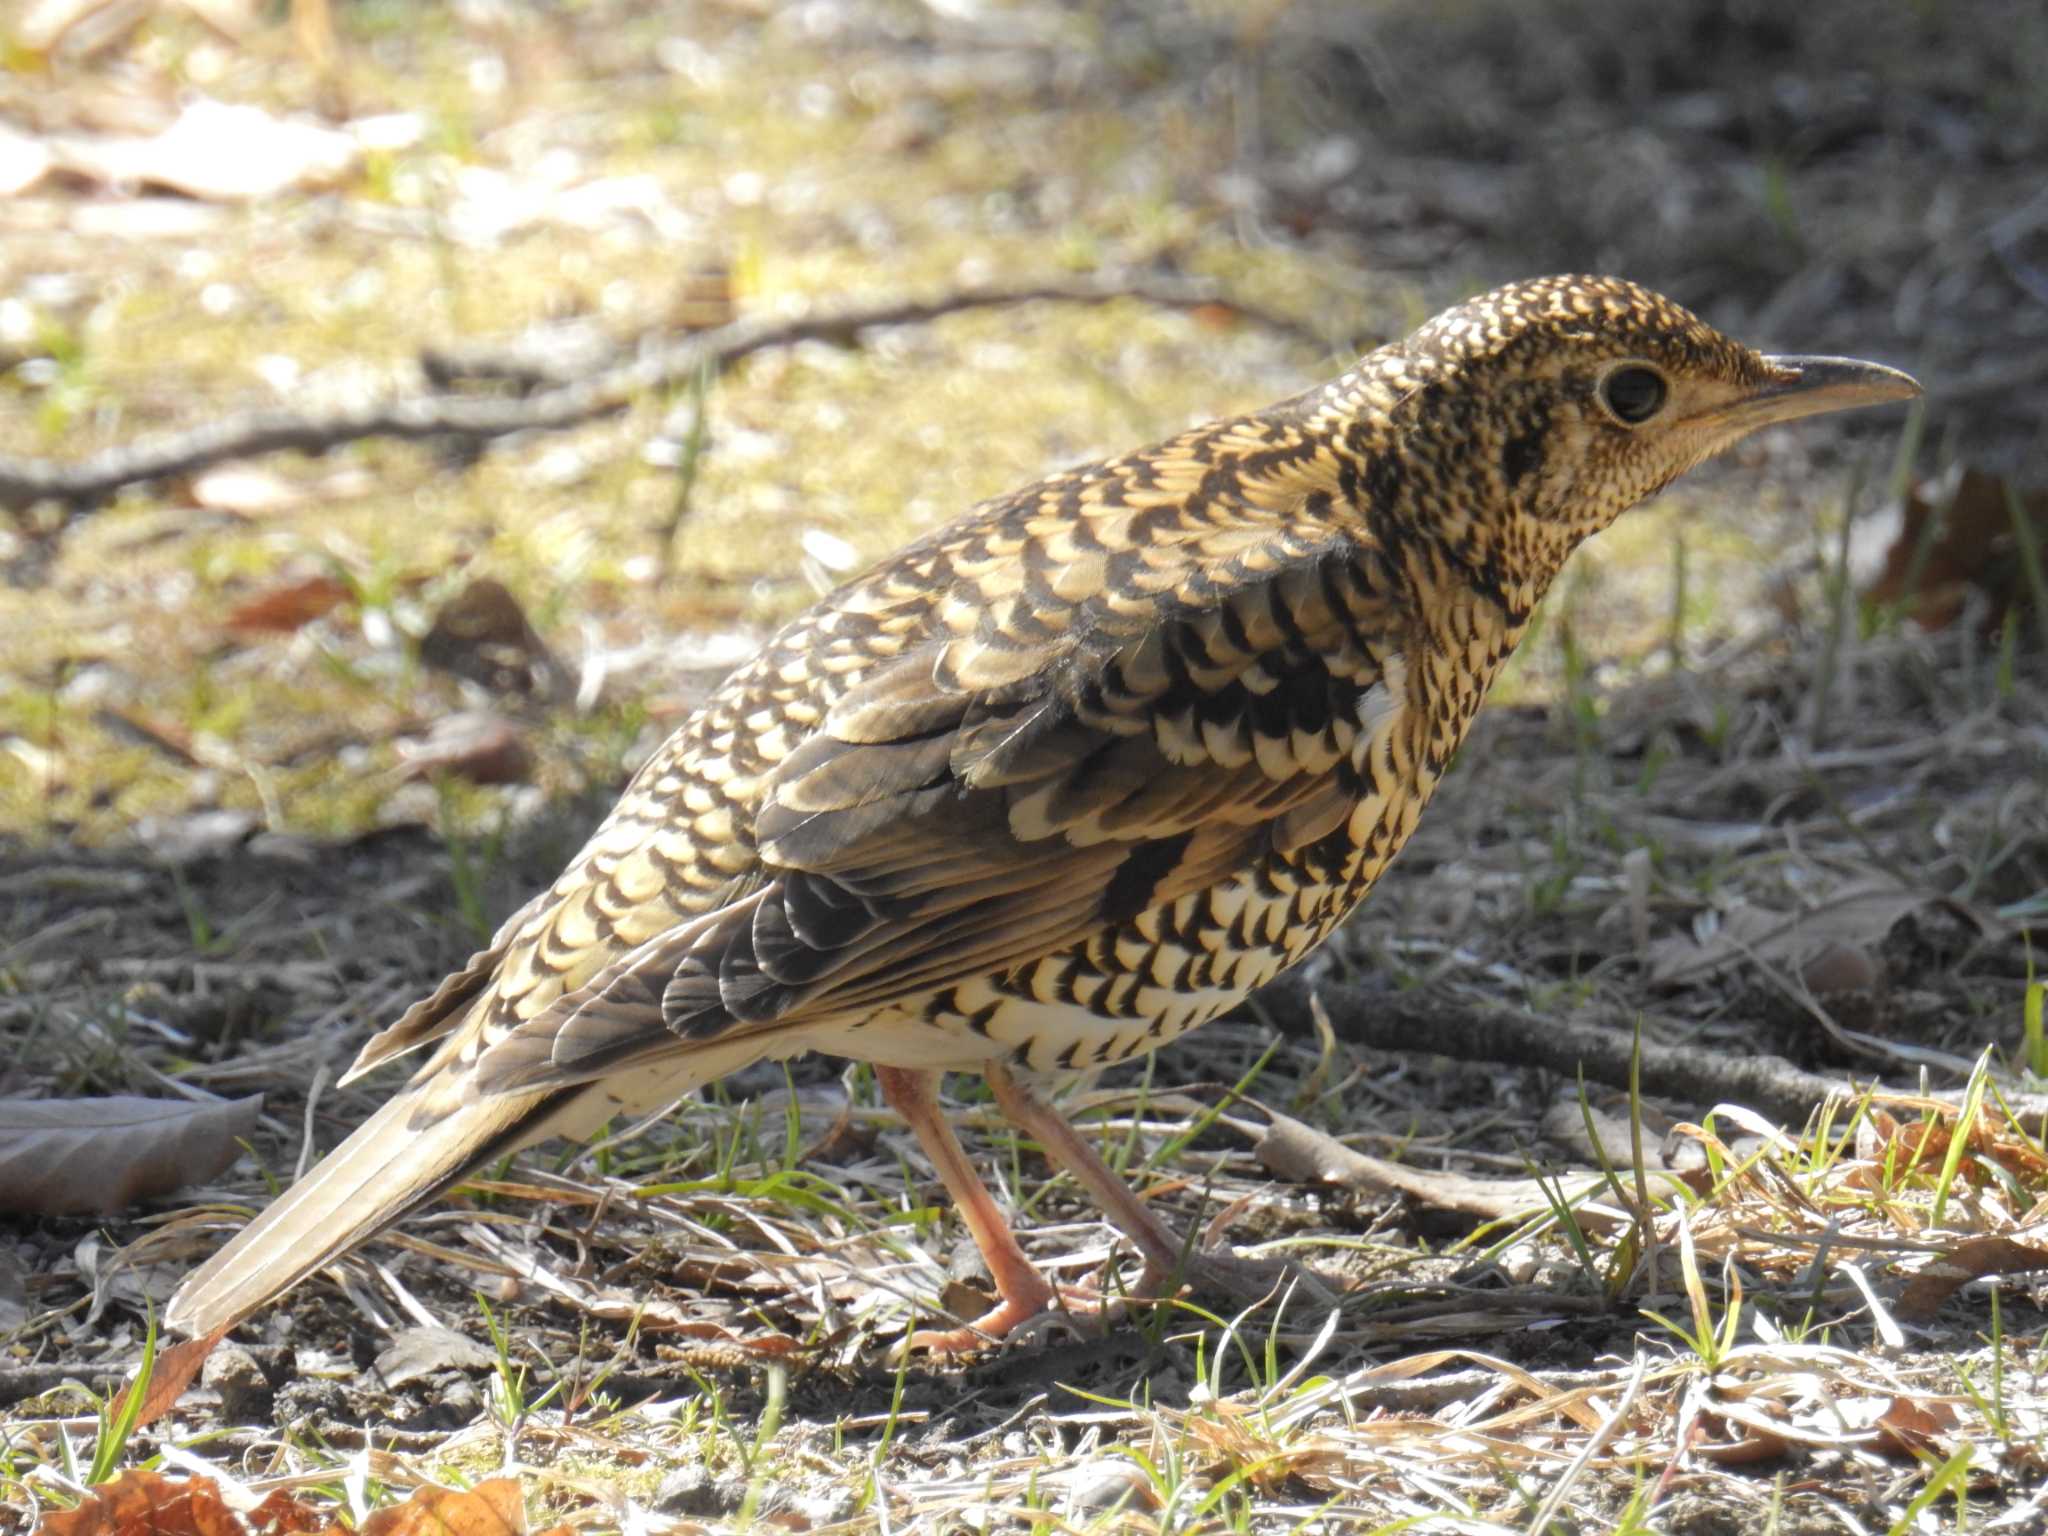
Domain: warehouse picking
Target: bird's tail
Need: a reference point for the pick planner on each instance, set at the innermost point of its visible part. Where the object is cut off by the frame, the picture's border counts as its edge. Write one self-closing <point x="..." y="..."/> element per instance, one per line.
<point x="392" y="1164"/>
<point x="378" y="1174"/>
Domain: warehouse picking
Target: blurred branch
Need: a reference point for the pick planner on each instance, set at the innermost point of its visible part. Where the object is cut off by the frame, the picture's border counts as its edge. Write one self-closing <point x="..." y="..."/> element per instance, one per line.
<point x="82" y="486"/>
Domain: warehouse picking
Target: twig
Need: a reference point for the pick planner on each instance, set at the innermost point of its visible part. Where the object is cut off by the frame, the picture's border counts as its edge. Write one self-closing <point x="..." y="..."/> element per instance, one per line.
<point x="85" y="484"/>
<point x="1437" y="1021"/>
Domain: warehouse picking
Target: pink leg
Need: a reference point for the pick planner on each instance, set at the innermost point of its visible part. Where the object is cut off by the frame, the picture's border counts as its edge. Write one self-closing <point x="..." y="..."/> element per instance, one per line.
<point x="1168" y="1259"/>
<point x="1024" y="1292"/>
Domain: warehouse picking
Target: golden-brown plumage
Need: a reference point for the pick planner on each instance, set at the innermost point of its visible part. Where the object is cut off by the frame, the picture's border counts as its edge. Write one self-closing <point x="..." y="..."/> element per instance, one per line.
<point x="1068" y="776"/>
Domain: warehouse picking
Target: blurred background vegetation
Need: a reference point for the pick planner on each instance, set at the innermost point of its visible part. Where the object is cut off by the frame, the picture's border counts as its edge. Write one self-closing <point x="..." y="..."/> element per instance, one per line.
<point x="277" y="644"/>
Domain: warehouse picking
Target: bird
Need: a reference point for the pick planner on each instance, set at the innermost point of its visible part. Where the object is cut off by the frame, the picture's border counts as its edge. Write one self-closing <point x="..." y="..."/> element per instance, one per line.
<point x="1061" y="780"/>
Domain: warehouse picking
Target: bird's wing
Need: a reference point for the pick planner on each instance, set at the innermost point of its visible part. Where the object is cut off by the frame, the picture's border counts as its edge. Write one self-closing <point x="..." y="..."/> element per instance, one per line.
<point x="990" y="797"/>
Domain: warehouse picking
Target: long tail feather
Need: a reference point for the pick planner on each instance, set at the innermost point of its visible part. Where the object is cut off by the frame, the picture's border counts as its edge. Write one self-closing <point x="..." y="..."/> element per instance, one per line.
<point x="378" y="1174"/>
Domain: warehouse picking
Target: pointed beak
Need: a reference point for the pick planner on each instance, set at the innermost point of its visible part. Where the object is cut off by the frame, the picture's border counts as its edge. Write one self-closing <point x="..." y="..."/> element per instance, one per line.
<point x="1809" y="386"/>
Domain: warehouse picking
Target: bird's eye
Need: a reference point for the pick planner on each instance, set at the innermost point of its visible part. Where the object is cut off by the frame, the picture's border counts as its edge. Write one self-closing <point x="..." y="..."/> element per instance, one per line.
<point x="1633" y="394"/>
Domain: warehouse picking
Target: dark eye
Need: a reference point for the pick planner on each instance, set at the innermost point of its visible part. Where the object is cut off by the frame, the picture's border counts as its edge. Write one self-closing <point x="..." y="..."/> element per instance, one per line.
<point x="1633" y="394"/>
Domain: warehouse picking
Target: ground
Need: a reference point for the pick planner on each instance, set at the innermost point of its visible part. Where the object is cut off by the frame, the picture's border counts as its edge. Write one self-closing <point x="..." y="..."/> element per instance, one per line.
<point x="1727" y="797"/>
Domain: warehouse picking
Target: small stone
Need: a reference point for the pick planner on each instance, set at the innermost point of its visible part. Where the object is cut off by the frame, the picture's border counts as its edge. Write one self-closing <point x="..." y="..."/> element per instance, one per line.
<point x="244" y="1390"/>
<point x="1096" y="1487"/>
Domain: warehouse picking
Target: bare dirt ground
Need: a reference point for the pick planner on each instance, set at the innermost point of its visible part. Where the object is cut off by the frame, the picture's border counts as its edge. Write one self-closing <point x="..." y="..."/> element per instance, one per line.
<point x="1791" y="836"/>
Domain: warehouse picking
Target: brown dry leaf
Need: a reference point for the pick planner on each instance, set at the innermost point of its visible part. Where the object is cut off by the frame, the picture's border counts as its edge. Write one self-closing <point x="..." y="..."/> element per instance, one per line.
<point x="494" y="1507"/>
<point x="1854" y="921"/>
<point x="291" y="607"/>
<point x="169" y="1377"/>
<point x="282" y="1515"/>
<point x="1912" y="1426"/>
<point x="1924" y="1143"/>
<point x="475" y="745"/>
<point x="1971" y="1259"/>
<point x="63" y="1157"/>
<point x="130" y="725"/>
<point x="1946" y="546"/>
<point x="142" y="1503"/>
<point x="482" y="634"/>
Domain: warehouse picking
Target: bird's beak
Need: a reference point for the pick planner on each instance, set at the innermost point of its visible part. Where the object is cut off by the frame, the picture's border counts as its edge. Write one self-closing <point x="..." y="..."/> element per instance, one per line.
<point x="1808" y="386"/>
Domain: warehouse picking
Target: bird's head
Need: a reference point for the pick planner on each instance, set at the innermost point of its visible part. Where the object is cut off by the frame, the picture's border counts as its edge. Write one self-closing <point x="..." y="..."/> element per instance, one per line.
<point x="1538" y="413"/>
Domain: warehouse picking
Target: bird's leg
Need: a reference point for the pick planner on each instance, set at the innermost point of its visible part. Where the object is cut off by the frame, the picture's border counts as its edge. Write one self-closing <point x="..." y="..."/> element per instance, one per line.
<point x="1168" y="1258"/>
<point x="1024" y="1292"/>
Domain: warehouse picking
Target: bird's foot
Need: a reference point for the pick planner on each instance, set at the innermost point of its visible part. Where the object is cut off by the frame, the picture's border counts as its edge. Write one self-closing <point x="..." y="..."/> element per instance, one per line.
<point x="1026" y="1310"/>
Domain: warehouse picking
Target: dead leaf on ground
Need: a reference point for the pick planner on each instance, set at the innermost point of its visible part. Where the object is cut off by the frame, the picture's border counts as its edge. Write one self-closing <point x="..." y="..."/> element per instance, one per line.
<point x="172" y="1373"/>
<point x="131" y="725"/>
<point x="416" y="1352"/>
<point x="482" y="634"/>
<point x="1823" y="941"/>
<point x="494" y="1507"/>
<point x="63" y="1157"/>
<point x="286" y="609"/>
<point x="475" y="745"/>
<point x="1886" y="1142"/>
<point x="1971" y="1259"/>
<point x="1951" y="544"/>
<point x="1917" y="1426"/>
<point x="144" y="1503"/>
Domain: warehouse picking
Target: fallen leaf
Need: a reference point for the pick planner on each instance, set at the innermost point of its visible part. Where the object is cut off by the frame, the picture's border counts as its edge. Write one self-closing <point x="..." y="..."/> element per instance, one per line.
<point x="1912" y="1426"/>
<point x="291" y="607"/>
<point x="1833" y="940"/>
<point x="168" y="1378"/>
<point x="494" y="1507"/>
<point x="475" y="745"/>
<point x="416" y="1352"/>
<point x="144" y="1503"/>
<point x="482" y="634"/>
<point x="1951" y="544"/>
<point x="171" y="739"/>
<point x="1971" y="1259"/>
<point x="69" y="1156"/>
